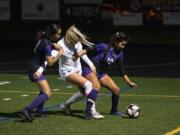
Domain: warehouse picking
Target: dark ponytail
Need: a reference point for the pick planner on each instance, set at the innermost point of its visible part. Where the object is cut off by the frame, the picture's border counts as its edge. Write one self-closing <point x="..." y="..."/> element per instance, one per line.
<point x="118" y="37"/>
<point x="52" y="29"/>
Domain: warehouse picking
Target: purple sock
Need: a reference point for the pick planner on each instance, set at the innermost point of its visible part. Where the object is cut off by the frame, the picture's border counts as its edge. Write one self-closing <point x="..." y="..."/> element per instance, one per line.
<point x="115" y="100"/>
<point x="37" y="101"/>
<point x="91" y="99"/>
<point x="40" y="107"/>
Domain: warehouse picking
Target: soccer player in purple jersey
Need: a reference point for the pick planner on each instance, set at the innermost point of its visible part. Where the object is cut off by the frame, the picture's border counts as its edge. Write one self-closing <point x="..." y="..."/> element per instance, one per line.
<point x="42" y="52"/>
<point x="103" y="56"/>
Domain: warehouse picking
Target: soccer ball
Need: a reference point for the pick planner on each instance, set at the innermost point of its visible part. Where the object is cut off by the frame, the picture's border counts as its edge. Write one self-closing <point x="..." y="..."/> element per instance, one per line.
<point x="133" y="111"/>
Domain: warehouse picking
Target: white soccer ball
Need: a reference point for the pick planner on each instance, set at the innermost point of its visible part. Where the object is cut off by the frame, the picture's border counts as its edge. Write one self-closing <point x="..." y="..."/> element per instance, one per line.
<point x="54" y="53"/>
<point x="133" y="110"/>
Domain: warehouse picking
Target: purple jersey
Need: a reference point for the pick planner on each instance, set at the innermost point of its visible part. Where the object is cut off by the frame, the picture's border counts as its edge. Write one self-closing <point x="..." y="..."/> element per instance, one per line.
<point x="106" y="56"/>
<point x="42" y="49"/>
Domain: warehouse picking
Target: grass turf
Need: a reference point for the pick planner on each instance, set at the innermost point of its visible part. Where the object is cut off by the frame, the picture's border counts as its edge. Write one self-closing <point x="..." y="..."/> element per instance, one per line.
<point x="159" y="99"/>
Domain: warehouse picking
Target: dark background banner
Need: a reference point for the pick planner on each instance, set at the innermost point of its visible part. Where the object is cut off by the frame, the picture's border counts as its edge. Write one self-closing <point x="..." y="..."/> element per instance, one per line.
<point x="153" y="49"/>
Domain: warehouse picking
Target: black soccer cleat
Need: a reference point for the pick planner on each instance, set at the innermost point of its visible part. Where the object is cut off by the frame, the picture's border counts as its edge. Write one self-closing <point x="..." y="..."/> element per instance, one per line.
<point x="88" y="115"/>
<point x="27" y="115"/>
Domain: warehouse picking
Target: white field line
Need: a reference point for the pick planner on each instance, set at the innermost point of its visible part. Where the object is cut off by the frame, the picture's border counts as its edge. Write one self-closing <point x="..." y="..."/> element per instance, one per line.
<point x="24" y="95"/>
<point x="55" y="89"/>
<point x="67" y="93"/>
<point x="4" y="82"/>
<point x="69" y="86"/>
<point x="6" y="99"/>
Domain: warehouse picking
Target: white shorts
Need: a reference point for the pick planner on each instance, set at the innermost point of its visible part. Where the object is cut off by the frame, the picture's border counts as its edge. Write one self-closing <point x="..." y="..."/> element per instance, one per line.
<point x="65" y="73"/>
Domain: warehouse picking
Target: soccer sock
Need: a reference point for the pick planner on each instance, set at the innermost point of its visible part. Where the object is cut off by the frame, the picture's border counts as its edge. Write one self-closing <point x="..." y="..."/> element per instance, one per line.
<point x="37" y="101"/>
<point x="115" y="100"/>
<point x="74" y="98"/>
<point x="91" y="99"/>
<point x="40" y="107"/>
<point x="93" y="108"/>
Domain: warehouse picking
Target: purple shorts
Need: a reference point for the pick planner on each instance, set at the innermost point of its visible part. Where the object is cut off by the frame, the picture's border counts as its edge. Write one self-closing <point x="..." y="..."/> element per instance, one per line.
<point x="86" y="71"/>
<point x="42" y="77"/>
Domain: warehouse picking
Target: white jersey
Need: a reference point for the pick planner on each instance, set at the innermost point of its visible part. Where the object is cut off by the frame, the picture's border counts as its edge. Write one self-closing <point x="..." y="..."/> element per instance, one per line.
<point x="66" y="63"/>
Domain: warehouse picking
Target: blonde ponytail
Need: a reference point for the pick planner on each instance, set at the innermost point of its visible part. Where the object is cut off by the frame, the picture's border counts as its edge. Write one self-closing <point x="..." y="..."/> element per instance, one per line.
<point x="74" y="35"/>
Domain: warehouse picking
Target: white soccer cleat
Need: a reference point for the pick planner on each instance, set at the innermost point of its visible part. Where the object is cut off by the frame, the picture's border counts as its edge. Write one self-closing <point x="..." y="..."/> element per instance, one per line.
<point x="97" y="115"/>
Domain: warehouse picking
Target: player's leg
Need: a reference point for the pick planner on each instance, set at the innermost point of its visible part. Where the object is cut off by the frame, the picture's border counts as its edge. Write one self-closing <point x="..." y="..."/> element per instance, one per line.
<point x="107" y="82"/>
<point x="40" y="107"/>
<point x="74" y="98"/>
<point x="44" y="90"/>
<point x="39" y="100"/>
<point x="89" y="91"/>
<point x="78" y="96"/>
<point x="96" y="85"/>
<point x="88" y="74"/>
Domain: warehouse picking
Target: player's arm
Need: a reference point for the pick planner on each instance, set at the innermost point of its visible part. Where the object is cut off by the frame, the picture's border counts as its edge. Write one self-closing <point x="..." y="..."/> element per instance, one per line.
<point x="83" y="52"/>
<point x="51" y="60"/>
<point x="56" y="46"/>
<point x="129" y="82"/>
<point x="84" y="57"/>
<point x="79" y="54"/>
<point x="55" y="56"/>
<point x="89" y="63"/>
<point x="125" y="76"/>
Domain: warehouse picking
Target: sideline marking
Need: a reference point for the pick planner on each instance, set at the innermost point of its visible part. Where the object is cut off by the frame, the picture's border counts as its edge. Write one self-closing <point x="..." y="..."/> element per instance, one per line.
<point x="173" y="132"/>
<point x="6" y="99"/>
<point x="70" y="93"/>
<point x="24" y="95"/>
<point x="4" y="82"/>
<point x="69" y="86"/>
<point x="55" y="89"/>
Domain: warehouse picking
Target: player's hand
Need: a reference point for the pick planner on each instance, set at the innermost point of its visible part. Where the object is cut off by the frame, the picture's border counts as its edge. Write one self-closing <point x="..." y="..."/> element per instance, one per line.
<point x="61" y="50"/>
<point x="56" y="46"/>
<point x="37" y="74"/>
<point x="79" y="54"/>
<point x="132" y="84"/>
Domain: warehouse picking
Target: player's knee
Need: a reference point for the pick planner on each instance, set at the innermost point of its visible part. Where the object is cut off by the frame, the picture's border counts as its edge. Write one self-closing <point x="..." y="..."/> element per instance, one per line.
<point x="49" y="94"/>
<point x="87" y="87"/>
<point x="96" y="86"/>
<point x="116" y="91"/>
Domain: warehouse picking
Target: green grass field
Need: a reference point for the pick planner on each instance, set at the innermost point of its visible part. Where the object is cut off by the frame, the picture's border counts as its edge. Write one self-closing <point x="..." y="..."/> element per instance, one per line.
<point x="159" y="99"/>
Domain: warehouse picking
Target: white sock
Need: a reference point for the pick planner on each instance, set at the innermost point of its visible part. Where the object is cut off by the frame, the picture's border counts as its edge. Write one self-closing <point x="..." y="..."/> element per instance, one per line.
<point x="74" y="98"/>
<point x="88" y="87"/>
<point x="93" y="108"/>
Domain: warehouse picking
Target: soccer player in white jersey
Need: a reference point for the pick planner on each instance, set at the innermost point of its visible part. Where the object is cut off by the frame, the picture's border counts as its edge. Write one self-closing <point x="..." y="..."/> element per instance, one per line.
<point x="70" y="67"/>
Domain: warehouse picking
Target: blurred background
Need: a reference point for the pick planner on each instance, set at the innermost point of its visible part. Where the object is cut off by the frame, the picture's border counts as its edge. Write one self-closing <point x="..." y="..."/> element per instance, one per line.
<point x="153" y="27"/>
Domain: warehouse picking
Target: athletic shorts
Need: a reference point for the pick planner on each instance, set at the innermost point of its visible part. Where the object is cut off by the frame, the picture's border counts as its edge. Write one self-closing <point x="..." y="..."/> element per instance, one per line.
<point x="32" y="79"/>
<point x="86" y="71"/>
<point x="65" y="73"/>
